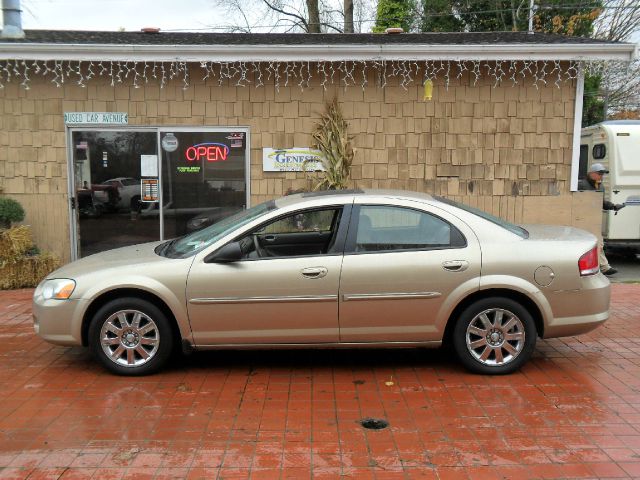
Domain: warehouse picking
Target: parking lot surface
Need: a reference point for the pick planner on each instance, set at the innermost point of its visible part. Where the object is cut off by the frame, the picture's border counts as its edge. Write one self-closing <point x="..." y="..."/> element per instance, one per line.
<point x="572" y="412"/>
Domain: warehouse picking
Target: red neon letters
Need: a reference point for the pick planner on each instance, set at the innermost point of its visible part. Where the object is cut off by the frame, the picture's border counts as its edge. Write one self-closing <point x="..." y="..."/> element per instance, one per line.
<point x="211" y="152"/>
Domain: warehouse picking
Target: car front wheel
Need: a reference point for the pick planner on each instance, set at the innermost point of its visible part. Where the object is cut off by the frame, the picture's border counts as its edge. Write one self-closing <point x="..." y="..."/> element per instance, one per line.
<point x="131" y="336"/>
<point x="494" y="336"/>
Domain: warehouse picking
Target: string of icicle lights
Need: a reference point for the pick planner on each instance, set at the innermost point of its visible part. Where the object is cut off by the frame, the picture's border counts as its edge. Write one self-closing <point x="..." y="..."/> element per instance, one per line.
<point x="299" y="73"/>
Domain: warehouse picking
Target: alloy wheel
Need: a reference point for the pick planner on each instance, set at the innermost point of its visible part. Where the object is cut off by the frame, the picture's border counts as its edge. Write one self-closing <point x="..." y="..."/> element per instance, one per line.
<point x="129" y="338"/>
<point x="495" y="337"/>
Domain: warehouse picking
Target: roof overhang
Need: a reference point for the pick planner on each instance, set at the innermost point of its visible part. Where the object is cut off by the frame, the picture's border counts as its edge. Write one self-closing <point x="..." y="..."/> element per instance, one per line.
<point x="313" y="53"/>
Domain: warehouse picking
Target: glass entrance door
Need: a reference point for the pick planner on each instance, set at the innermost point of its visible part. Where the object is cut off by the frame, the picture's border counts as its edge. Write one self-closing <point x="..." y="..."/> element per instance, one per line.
<point x="107" y="188"/>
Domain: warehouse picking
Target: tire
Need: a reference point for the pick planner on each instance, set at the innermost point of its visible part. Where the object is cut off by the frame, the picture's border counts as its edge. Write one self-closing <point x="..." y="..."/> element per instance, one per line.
<point x="131" y="336"/>
<point x="135" y="204"/>
<point x="494" y="336"/>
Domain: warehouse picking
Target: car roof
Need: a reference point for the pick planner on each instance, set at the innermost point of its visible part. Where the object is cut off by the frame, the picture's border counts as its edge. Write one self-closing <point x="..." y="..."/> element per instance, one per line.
<point x="373" y="194"/>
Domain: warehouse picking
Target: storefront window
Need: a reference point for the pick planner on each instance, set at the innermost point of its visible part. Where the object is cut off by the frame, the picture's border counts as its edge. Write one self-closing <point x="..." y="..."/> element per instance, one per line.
<point x="204" y="179"/>
<point x="202" y="176"/>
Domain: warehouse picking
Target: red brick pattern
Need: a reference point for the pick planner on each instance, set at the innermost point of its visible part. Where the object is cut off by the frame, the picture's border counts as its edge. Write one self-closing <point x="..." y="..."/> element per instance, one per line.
<point x="572" y="412"/>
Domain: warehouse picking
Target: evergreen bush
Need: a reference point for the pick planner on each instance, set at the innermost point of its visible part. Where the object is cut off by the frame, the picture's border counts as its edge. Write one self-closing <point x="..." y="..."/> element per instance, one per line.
<point x="10" y="212"/>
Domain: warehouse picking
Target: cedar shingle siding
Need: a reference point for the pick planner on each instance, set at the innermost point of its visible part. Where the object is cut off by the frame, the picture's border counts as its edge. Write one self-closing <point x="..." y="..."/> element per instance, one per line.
<point x="505" y="149"/>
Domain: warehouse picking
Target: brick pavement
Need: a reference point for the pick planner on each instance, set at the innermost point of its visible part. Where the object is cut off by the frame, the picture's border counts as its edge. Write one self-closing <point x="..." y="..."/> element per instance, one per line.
<point x="572" y="412"/>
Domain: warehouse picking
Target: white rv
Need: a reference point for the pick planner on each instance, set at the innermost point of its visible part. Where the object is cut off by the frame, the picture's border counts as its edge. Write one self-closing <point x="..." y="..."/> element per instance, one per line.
<point x="616" y="144"/>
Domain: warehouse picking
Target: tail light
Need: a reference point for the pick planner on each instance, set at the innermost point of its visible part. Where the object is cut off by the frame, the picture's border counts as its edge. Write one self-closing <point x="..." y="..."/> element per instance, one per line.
<point x="588" y="263"/>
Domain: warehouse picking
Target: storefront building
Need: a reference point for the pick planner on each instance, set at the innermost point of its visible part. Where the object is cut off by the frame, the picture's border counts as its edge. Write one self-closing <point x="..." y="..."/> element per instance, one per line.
<point x="115" y="138"/>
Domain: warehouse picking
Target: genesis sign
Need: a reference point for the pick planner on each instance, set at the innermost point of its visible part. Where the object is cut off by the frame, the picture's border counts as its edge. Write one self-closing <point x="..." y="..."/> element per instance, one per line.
<point x="291" y="160"/>
<point x="209" y="152"/>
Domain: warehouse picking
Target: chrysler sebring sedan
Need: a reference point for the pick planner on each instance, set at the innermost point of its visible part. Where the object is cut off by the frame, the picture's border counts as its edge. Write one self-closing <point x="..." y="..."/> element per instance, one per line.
<point x="332" y="269"/>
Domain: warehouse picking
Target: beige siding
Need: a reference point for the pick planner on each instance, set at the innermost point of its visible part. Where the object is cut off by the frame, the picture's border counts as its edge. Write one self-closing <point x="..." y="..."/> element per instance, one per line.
<point x="505" y="149"/>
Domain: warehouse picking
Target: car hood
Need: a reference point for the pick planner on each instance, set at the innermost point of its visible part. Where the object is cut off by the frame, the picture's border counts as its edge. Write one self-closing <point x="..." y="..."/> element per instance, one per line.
<point x="557" y="232"/>
<point x="135" y="255"/>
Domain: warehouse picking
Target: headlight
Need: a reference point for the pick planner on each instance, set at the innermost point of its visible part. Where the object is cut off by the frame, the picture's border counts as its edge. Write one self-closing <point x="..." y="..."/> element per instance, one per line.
<point x="57" y="289"/>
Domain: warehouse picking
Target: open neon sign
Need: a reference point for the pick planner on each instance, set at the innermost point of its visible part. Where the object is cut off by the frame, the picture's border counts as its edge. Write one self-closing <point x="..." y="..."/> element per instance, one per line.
<point x="211" y="152"/>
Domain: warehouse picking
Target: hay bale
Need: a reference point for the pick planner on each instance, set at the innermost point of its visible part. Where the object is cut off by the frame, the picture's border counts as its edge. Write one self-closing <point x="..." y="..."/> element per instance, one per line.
<point x="27" y="271"/>
<point x="15" y="243"/>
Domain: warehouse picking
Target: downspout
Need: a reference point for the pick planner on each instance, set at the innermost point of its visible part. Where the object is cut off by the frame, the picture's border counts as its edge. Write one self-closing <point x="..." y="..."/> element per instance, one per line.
<point x="12" y="19"/>
<point x="577" y="128"/>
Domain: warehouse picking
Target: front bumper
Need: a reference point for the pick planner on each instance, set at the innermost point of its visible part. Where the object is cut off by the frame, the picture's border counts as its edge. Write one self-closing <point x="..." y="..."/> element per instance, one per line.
<point x="58" y="321"/>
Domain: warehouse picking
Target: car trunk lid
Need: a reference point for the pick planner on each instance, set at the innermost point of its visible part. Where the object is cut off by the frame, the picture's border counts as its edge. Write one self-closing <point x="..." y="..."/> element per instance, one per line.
<point x="558" y="233"/>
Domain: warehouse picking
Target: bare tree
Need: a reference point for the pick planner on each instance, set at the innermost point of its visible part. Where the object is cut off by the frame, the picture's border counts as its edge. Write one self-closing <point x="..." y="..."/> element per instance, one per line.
<point x="621" y="87"/>
<point x="619" y="21"/>
<point x="310" y="16"/>
<point x="313" y="24"/>
<point x="348" y="16"/>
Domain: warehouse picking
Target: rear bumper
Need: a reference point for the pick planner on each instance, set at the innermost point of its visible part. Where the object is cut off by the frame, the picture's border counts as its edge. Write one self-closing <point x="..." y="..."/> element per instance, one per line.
<point x="569" y="326"/>
<point x="579" y="311"/>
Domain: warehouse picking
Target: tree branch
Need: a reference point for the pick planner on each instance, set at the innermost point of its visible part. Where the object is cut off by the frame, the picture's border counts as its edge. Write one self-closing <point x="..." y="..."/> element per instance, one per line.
<point x="289" y="14"/>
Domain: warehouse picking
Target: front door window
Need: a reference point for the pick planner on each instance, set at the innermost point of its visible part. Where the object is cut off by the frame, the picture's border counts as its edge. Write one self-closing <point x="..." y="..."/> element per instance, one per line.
<point x="305" y="233"/>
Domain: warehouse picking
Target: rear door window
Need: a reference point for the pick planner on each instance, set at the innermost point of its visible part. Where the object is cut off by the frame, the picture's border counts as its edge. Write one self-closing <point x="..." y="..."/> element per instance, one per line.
<point x="384" y="228"/>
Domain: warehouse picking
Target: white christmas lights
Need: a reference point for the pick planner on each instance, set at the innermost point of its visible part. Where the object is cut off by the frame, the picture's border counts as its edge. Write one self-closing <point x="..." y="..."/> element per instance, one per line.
<point x="346" y="73"/>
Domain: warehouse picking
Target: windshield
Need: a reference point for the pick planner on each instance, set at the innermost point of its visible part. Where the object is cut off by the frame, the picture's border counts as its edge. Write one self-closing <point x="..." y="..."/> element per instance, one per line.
<point x="191" y="244"/>
<point x="521" y="232"/>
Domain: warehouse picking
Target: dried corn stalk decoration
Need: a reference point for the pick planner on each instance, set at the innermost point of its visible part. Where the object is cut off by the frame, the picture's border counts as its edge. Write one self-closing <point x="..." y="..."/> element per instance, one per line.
<point x="331" y="137"/>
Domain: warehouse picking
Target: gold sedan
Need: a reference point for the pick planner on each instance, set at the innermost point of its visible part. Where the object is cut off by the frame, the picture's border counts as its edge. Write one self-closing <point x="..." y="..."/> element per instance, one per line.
<point x="332" y="269"/>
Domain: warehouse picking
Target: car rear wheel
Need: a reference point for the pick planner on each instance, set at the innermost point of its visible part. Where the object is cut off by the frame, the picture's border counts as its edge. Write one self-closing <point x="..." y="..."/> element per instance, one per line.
<point x="135" y="204"/>
<point x="131" y="336"/>
<point x="494" y="336"/>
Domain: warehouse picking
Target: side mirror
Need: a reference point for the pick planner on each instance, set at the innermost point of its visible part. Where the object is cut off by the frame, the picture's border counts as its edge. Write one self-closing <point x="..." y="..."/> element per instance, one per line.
<point x="231" y="252"/>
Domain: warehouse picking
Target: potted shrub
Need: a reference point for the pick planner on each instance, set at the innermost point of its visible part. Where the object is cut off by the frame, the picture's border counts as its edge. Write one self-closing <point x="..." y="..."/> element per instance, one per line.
<point x="10" y="212"/>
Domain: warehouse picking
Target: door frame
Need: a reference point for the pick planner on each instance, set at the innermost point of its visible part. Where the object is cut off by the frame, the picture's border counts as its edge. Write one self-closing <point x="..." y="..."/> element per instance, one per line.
<point x="158" y="130"/>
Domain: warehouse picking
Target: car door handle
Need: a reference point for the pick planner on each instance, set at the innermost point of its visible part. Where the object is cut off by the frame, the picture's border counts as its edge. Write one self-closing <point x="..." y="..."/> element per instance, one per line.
<point x="455" y="265"/>
<point x="314" y="272"/>
<point x="269" y="238"/>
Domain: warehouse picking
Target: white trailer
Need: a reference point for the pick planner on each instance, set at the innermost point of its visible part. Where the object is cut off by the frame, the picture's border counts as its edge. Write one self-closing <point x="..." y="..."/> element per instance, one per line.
<point x="616" y="144"/>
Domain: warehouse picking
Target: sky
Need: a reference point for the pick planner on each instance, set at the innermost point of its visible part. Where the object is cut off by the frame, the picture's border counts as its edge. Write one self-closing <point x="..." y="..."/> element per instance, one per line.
<point x="132" y="15"/>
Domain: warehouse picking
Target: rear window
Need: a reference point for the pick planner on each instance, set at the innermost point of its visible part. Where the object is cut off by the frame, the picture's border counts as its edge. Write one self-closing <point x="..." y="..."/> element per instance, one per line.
<point x="521" y="232"/>
<point x="599" y="151"/>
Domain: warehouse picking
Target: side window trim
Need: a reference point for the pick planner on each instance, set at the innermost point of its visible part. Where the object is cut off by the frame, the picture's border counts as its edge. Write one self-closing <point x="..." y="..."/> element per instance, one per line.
<point x="350" y="244"/>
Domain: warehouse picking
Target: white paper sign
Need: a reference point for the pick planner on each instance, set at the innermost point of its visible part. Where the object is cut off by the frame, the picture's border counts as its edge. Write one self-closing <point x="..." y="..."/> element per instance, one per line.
<point x="291" y="160"/>
<point x="148" y="165"/>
